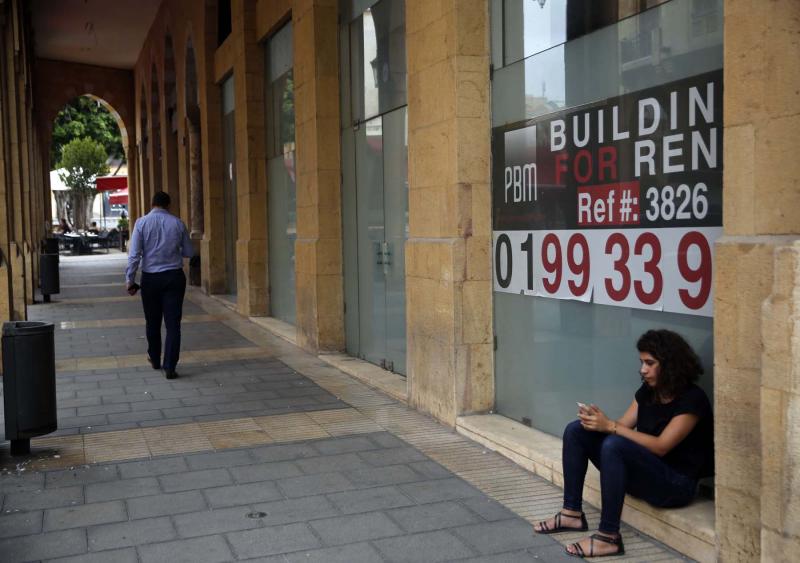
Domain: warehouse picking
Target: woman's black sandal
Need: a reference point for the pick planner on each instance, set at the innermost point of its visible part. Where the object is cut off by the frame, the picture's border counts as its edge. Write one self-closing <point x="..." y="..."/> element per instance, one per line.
<point x="579" y="552"/>
<point x="545" y="529"/>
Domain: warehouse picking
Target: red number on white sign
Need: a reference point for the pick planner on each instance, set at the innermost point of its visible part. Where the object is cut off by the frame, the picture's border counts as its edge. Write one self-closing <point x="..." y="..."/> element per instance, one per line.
<point x="650" y="267"/>
<point x="700" y="274"/>
<point x="582" y="268"/>
<point x="620" y="265"/>
<point x="551" y="266"/>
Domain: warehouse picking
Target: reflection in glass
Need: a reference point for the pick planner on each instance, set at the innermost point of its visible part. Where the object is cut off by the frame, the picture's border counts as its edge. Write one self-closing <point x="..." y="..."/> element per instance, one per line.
<point x="282" y="204"/>
<point x="378" y="73"/>
<point x="532" y="26"/>
<point x="656" y="46"/>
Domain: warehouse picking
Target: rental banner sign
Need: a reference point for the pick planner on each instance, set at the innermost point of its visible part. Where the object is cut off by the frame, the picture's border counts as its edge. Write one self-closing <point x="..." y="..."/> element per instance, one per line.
<point x="617" y="202"/>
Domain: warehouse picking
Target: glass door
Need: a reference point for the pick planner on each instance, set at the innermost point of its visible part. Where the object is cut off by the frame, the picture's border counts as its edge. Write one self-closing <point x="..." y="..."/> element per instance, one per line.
<point x="381" y="190"/>
<point x="230" y="200"/>
<point x="374" y="182"/>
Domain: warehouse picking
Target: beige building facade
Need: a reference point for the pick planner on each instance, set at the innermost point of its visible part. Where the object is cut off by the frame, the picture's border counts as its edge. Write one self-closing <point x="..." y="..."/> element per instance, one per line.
<point x="337" y="165"/>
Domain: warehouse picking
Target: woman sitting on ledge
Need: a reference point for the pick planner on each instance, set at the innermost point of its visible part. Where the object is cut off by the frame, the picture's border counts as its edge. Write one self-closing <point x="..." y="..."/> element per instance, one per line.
<point x="659" y="462"/>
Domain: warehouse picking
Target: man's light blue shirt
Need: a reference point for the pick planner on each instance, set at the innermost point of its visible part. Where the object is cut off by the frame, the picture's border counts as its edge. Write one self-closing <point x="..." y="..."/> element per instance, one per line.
<point x="159" y="241"/>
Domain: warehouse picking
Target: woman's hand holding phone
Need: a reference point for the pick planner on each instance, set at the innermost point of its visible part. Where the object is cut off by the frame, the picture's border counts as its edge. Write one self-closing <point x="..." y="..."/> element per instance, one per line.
<point x="592" y="418"/>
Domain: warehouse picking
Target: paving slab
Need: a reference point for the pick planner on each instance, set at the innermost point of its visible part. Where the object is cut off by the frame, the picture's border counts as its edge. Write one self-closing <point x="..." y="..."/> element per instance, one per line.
<point x="272" y="540"/>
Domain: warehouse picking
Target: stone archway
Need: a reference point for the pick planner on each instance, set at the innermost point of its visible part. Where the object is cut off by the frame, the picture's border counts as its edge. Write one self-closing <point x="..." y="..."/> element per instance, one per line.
<point x="65" y="199"/>
<point x="59" y="82"/>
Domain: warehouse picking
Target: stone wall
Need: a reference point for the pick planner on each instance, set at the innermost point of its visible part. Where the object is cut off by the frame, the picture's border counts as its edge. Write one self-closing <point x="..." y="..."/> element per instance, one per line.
<point x="756" y="290"/>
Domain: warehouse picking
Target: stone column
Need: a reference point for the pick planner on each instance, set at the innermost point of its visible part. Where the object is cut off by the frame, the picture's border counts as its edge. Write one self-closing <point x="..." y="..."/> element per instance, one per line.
<point x="15" y="257"/>
<point x="213" y="246"/>
<point x="251" y="173"/>
<point x="134" y="180"/>
<point x="195" y="175"/>
<point x="318" y="249"/>
<point x="448" y="263"/>
<point x="6" y="203"/>
<point x="756" y="387"/>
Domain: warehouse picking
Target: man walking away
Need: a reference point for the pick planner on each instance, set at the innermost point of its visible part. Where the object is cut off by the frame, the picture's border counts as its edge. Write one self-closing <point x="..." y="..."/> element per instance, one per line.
<point x="159" y="242"/>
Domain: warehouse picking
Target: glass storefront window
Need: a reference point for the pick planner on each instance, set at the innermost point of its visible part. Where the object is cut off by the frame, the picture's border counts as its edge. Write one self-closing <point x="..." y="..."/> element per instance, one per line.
<point x="561" y="338"/>
<point x="280" y="94"/>
<point x="282" y="202"/>
<point x="378" y="75"/>
<point x="656" y="46"/>
<point x="532" y="26"/>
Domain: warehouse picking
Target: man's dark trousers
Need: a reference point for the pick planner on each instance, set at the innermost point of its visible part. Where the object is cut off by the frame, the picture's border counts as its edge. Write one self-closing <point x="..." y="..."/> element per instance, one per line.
<point x="162" y="299"/>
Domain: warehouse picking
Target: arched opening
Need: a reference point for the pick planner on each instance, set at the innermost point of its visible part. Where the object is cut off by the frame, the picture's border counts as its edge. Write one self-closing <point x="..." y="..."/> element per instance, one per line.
<point x="87" y="117"/>
<point x="171" y="182"/>
<point x="144" y="159"/>
<point x="155" y="133"/>
<point x="193" y="147"/>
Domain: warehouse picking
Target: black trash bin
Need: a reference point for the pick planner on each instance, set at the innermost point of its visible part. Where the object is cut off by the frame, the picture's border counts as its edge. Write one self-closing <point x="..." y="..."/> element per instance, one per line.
<point x="29" y="382"/>
<point x="194" y="270"/>
<point x="50" y="245"/>
<point x="49" y="279"/>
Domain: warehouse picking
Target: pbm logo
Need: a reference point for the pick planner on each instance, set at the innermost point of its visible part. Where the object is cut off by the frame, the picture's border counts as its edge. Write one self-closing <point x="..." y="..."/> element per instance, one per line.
<point x="520" y="177"/>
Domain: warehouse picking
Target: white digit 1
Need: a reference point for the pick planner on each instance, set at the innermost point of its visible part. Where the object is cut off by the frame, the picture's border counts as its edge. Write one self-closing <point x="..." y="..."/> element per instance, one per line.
<point x="652" y="197"/>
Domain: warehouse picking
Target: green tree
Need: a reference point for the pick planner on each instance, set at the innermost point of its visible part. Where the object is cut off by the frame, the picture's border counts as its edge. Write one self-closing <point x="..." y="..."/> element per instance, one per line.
<point x="84" y="117"/>
<point x="83" y="160"/>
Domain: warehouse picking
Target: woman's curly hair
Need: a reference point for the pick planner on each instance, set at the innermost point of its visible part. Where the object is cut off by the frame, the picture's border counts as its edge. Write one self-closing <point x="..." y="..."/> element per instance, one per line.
<point x="679" y="365"/>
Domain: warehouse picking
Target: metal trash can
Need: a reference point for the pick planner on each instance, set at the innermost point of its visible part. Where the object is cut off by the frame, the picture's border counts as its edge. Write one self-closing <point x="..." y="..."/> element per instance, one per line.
<point x="50" y="245"/>
<point x="194" y="270"/>
<point x="29" y="382"/>
<point x="49" y="279"/>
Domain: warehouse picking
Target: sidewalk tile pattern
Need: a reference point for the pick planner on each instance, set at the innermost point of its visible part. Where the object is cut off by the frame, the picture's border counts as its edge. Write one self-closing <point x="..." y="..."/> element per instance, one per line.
<point x="258" y="452"/>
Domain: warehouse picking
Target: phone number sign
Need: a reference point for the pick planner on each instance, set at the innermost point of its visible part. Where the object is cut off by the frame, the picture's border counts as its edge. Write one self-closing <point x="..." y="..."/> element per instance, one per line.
<point x="618" y="202"/>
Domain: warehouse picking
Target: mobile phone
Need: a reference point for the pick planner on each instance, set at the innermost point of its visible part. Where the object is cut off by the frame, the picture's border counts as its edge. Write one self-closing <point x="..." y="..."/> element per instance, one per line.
<point x="134" y="288"/>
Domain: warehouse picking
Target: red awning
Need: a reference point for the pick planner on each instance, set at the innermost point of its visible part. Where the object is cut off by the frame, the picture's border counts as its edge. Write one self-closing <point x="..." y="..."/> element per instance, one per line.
<point x="119" y="197"/>
<point x="107" y="183"/>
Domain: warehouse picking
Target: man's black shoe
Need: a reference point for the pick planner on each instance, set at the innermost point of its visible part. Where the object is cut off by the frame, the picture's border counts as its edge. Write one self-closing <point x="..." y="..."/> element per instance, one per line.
<point x="153" y="364"/>
<point x="170" y="374"/>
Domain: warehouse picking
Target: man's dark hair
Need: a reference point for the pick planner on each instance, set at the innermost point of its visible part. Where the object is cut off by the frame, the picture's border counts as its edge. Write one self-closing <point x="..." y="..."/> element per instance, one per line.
<point x="679" y="365"/>
<point x="161" y="199"/>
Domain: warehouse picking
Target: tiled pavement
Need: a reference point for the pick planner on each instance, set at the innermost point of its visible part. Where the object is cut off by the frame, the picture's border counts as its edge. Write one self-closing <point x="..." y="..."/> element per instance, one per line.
<point x="258" y="452"/>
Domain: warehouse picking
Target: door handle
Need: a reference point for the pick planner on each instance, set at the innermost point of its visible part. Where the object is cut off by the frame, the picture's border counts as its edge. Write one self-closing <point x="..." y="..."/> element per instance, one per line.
<point x="379" y="252"/>
<point x="387" y="255"/>
<point x="387" y="258"/>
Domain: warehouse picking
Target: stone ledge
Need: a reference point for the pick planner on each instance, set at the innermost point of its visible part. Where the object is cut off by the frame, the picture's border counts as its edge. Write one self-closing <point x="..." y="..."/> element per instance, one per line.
<point x="277" y="327"/>
<point x="220" y="298"/>
<point x="390" y="383"/>
<point x="689" y="530"/>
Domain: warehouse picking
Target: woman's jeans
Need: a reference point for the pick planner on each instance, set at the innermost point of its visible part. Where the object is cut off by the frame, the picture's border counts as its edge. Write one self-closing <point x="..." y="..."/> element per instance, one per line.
<point x="625" y="467"/>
